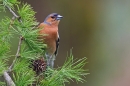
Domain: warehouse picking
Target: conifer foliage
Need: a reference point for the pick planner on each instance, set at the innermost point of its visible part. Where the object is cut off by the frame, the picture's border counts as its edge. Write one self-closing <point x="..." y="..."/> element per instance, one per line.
<point x="28" y="67"/>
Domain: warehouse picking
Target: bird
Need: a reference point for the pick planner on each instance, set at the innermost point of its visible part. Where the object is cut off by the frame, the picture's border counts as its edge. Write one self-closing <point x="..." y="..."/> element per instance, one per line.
<point x="49" y="28"/>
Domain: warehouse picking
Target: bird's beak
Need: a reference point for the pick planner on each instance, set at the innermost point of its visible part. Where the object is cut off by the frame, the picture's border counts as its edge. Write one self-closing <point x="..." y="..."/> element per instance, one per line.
<point x="59" y="17"/>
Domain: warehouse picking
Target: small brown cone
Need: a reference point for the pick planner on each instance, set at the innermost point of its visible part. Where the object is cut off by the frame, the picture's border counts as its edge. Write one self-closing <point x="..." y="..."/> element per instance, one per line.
<point x="39" y="65"/>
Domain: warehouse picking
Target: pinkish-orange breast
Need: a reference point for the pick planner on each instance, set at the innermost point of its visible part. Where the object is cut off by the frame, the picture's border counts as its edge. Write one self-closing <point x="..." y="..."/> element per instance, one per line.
<point x="50" y="36"/>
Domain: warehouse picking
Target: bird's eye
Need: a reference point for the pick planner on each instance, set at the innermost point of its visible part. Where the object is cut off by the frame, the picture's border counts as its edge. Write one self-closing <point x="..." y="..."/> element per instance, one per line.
<point x="52" y="17"/>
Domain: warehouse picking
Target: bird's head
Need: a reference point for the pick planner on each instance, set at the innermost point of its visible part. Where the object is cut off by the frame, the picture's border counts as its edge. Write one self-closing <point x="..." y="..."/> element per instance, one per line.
<point x="53" y="19"/>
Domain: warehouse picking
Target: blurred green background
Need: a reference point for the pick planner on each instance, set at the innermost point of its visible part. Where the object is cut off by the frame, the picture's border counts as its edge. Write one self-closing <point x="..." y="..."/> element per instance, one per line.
<point x="96" y="29"/>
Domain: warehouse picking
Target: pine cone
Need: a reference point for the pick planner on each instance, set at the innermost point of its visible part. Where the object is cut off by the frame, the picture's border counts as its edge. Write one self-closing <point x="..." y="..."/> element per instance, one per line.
<point x="39" y="65"/>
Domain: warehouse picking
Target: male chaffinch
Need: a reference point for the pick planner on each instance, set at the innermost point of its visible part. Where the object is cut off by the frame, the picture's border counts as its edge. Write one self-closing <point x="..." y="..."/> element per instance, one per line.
<point x="50" y="27"/>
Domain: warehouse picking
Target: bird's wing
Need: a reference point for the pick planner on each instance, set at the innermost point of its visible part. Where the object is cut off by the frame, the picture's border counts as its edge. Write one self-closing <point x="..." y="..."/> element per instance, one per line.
<point x="57" y="45"/>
